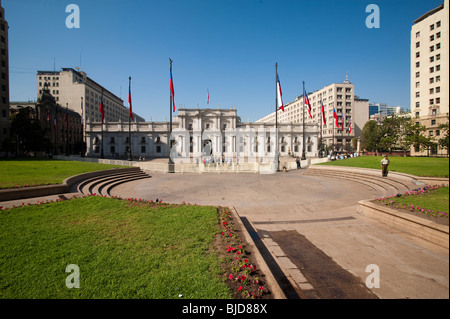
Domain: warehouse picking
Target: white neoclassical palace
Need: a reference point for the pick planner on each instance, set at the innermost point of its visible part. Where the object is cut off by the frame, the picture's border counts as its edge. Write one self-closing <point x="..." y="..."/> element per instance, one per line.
<point x="201" y="135"/>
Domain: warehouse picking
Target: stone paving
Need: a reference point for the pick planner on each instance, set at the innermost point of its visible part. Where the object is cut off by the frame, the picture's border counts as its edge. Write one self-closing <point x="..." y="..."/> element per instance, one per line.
<point x="322" y="212"/>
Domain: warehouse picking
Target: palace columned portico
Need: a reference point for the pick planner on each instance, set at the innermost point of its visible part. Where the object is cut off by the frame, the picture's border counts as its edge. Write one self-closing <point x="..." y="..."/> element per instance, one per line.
<point x="201" y="134"/>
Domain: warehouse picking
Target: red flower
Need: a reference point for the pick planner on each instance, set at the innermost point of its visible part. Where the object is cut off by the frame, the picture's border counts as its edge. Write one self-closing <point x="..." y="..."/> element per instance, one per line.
<point x="238" y="252"/>
<point x="240" y="288"/>
<point x="230" y="277"/>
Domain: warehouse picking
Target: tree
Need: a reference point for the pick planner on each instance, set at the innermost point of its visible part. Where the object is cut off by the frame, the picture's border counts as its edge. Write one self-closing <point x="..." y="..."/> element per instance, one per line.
<point x="416" y="138"/>
<point x="26" y="132"/>
<point x="444" y="140"/>
<point x="370" y="136"/>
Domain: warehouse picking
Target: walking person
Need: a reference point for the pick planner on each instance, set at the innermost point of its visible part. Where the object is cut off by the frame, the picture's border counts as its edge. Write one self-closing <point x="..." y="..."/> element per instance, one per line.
<point x="298" y="162"/>
<point x="384" y="165"/>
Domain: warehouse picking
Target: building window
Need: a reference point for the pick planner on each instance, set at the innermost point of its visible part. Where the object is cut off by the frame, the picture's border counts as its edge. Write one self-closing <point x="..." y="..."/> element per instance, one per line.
<point x="432" y="69"/>
<point x="417" y="54"/>
<point x="158" y="149"/>
<point x="438" y="46"/>
<point x="417" y="46"/>
<point x="438" y="67"/>
<point x="438" y="57"/>
<point x="431" y="91"/>
<point x="431" y="80"/>
<point x="417" y="34"/>
<point x="417" y="84"/>
<point x="438" y="24"/>
<point x="431" y="27"/>
<point x="432" y="59"/>
<point x="432" y="48"/>
<point x="431" y="101"/>
<point x="432" y="37"/>
<point x="417" y="114"/>
<point x="438" y="89"/>
<point x="417" y="104"/>
<point x="417" y="64"/>
<point x="417" y="74"/>
<point x="433" y="122"/>
<point x="112" y="150"/>
<point x="438" y="100"/>
<point x="417" y="94"/>
<point x="438" y="133"/>
<point x="143" y="150"/>
<point x="438" y="35"/>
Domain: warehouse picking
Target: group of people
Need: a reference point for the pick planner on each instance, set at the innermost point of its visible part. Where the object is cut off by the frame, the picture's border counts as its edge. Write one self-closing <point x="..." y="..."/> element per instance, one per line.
<point x="219" y="160"/>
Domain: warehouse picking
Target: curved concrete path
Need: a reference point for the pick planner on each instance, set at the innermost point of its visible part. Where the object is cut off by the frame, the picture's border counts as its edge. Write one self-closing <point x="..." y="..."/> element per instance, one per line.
<point x="313" y="232"/>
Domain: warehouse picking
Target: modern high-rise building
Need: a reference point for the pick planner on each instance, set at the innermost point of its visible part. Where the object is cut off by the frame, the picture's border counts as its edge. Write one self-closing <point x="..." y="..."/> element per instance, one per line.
<point x="352" y="113"/>
<point x="4" y="77"/>
<point x="430" y="72"/>
<point x="72" y="88"/>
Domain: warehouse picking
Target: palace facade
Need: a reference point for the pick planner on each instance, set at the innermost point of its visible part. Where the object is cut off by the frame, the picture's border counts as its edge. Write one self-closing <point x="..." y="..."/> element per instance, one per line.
<point x="201" y="134"/>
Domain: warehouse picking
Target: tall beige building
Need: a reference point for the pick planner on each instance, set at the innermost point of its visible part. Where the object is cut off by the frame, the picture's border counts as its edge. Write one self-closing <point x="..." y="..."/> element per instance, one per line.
<point x="4" y="77"/>
<point x="350" y="109"/>
<point x="430" y="72"/>
<point x="71" y="88"/>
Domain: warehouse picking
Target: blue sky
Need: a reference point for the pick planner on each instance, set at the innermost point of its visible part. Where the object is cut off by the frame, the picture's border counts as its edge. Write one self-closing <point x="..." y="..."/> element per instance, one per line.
<point x="227" y="46"/>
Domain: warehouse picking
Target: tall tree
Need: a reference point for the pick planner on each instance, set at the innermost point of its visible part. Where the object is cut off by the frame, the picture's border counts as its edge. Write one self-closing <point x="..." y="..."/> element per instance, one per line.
<point x="444" y="140"/>
<point x="26" y="132"/>
<point x="370" y="136"/>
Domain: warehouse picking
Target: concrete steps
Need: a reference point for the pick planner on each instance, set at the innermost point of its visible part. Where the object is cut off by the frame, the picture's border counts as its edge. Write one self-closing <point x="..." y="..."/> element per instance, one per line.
<point x="383" y="186"/>
<point x="102" y="185"/>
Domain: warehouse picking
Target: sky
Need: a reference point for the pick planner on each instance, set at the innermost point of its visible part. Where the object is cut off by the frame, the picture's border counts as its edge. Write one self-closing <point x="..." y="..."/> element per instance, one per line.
<point x="226" y="47"/>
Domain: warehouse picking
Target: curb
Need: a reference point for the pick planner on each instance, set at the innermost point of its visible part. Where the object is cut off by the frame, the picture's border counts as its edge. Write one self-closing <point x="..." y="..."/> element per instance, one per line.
<point x="38" y="191"/>
<point x="272" y="282"/>
<point x="435" y="233"/>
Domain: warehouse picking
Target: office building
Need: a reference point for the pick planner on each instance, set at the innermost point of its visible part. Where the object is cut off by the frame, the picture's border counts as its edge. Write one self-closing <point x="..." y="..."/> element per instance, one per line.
<point x="430" y="73"/>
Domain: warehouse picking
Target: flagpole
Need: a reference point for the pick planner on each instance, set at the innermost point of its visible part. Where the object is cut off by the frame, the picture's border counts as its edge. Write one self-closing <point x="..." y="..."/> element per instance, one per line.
<point x="83" y="130"/>
<point x="130" y="158"/>
<point x="55" y="122"/>
<point x="102" y="155"/>
<point x="321" y="122"/>
<point x="332" y="152"/>
<point x="277" y="160"/>
<point x="67" y="129"/>
<point x="171" y="168"/>
<point x="303" y="116"/>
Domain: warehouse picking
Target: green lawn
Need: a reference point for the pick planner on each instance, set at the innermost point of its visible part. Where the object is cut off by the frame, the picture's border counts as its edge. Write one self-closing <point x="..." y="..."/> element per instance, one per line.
<point x="418" y="166"/>
<point x="123" y="250"/>
<point x="17" y="173"/>
<point x="431" y="202"/>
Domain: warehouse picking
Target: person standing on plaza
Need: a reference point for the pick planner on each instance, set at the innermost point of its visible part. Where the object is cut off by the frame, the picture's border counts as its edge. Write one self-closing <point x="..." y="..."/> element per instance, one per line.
<point x="298" y="162"/>
<point x="384" y="165"/>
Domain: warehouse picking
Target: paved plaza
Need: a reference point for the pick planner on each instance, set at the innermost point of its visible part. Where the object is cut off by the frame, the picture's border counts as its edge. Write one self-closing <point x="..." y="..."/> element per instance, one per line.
<point x="312" y="229"/>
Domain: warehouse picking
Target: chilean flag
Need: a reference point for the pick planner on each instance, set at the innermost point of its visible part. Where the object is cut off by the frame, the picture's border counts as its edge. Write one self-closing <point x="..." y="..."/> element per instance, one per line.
<point x="172" y="91"/>
<point x="323" y="113"/>
<point x="207" y="98"/>
<point x="279" y="94"/>
<point x="102" y="110"/>
<point x="335" y="117"/>
<point x="308" y="104"/>
<point x="130" y="110"/>
<point x="349" y="127"/>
